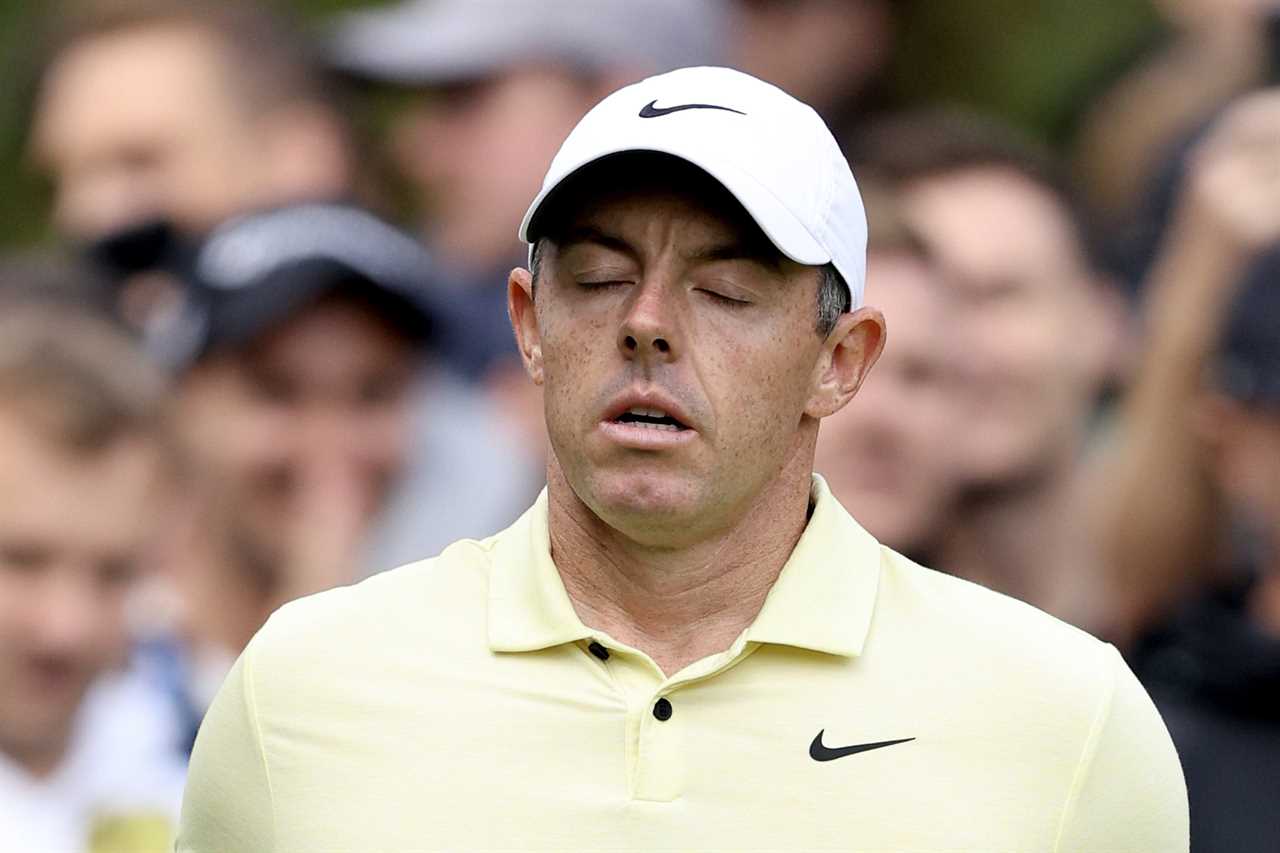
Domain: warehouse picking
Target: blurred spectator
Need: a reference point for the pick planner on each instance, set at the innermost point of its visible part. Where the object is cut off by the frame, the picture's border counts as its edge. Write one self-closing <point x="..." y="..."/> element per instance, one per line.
<point x="1214" y="668"/>
<point x="828" y="53"/>
<point x="190" y="111"/>
<point x="1217" y="49"/>
<point x="499" y="86"/>
<point x="300" y="351"/>
<point x="1190" y="497"/>
<point x="886" y="454"/>
<point x="1159" y="514"/>
<point x="83" y="760"/>
<point x="153" y="113"/>
<point x="1036" y="326"/>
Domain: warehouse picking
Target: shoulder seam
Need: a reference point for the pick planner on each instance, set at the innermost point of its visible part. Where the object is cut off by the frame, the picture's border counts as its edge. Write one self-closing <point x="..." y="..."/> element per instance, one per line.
<point x="251" y="703"/>
<point x="1090" y="747"/>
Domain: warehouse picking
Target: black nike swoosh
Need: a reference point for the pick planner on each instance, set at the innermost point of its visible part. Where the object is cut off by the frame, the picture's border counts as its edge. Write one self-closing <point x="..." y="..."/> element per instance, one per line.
<point x="651" y="111"/>
<point x="818" y="752"/>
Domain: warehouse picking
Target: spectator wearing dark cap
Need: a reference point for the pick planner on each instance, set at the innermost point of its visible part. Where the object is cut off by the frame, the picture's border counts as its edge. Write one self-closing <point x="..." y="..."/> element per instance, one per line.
<point x="1158" y="516"/>
<point x="300" y="348"/>
<point x="501" y="84"/>
<point x="1213" y="668"/>
<point x="1189" y="495"/>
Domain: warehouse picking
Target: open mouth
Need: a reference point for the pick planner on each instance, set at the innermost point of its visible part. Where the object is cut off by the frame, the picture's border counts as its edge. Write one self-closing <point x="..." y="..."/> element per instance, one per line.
<point x="649" y="419"/>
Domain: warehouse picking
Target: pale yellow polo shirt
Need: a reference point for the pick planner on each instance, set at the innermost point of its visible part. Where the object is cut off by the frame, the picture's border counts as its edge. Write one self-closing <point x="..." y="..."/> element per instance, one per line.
<point x="457" y="704"/>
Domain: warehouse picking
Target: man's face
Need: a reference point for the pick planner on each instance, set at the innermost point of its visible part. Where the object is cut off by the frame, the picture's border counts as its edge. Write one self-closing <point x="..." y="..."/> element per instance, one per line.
<point x="478" y="152"/>
<point x="308" y="426"/>
<point x="1028" y="317"/>
<point x="885" y="454"/>
<point x="72" y="531"/>
<point x="679" y="356"/>
<point x="144" y="123"/>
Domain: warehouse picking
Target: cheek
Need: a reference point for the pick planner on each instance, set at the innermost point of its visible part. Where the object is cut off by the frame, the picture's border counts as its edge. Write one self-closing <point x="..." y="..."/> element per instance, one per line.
<point x="757" y="396"/>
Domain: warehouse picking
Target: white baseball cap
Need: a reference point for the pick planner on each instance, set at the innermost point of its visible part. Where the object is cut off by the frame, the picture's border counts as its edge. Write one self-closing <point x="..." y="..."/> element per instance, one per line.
<point x="774" y="154"/>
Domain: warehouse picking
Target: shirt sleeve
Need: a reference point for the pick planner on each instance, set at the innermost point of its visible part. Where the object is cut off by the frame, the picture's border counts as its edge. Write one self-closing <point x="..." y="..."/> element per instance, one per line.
<point x="1128" y="793"/>
<point x="227" y="805"/>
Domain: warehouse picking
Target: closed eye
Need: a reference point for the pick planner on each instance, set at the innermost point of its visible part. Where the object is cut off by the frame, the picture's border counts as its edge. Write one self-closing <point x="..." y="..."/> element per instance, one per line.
<point x="597" y="285"/>
<point x="721" y="298"/>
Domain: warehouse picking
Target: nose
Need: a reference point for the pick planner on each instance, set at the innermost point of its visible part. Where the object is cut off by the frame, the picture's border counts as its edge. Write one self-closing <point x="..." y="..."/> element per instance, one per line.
<point x="649" y="329"/>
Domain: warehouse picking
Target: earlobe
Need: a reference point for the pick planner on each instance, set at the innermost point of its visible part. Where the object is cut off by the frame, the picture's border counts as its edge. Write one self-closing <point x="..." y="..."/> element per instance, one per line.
<point x="524" y="322"/>
<point x="848" y="355"/>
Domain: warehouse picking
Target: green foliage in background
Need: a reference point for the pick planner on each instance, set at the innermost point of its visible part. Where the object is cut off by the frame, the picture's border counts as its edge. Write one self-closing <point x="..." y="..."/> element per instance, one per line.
<point x="1034" y="61"/>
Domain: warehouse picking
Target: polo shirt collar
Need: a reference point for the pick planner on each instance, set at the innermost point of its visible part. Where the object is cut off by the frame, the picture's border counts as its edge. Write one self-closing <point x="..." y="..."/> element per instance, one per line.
<point x="529" y="608"/>
<point x="826" y="592"/>
<point x="822" y="601"/>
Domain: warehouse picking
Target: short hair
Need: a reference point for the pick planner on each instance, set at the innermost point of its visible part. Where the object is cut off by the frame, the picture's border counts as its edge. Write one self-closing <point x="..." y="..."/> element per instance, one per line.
<point x="269" y="62"/>
<point x="76" y="377"/>
<point x="934" y="143"/>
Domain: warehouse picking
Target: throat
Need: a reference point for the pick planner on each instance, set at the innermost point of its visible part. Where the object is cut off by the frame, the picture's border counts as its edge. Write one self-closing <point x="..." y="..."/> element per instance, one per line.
<point x="677" y="605"/>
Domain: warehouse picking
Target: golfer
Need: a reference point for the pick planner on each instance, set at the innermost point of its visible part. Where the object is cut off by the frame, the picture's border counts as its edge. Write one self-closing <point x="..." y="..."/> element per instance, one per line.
<point x="686" y="643"/>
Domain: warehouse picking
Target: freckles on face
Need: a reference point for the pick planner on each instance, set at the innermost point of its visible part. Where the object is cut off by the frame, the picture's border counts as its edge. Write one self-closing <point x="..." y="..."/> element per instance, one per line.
<point x="656" y="305"/>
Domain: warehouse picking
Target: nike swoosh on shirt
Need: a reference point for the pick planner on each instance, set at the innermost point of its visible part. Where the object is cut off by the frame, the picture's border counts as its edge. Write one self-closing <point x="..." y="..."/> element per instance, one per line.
<point x="820" y="752"/>
<point x="650" y="110"/>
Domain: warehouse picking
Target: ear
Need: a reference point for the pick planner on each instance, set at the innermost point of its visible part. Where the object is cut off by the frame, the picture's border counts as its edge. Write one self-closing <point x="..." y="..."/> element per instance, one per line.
<point x="524" y="321"/>
<point x="847" y="356"/>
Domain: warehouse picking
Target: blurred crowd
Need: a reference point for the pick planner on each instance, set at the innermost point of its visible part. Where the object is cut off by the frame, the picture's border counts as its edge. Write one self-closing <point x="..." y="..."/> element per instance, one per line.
<point x="235" y="381"/>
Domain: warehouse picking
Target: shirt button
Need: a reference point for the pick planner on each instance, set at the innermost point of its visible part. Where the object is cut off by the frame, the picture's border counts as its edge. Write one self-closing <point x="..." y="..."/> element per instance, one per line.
<point x="598" y="650"/>
<point x="662" y="709"/>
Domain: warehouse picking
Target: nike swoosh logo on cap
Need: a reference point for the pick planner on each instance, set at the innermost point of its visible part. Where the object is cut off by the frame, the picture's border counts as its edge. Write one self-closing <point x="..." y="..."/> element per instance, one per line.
<point x="650" y="110"/>
<point x="819" y="752"/>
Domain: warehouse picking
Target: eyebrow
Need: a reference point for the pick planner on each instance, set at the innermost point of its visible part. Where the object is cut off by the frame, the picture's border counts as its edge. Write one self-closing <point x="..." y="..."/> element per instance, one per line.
<point x="733" y="250"/>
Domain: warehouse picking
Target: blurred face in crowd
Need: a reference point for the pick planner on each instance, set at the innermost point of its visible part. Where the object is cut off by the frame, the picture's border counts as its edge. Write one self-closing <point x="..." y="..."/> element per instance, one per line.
<point x="73" y="526"/>
<point x="1034" y="328"/>
<point x="148" y="121"/>
<point x="478" y="151"/>
<point x="308" y="425"/>
<point x="820" y="51"/>
<point x="885" y="455"/>
<point x="681" y="362"/>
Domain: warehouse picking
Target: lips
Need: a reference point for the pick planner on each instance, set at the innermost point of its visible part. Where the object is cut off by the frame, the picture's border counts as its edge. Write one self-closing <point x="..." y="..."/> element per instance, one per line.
<point x="648" y="420"/>
<point x="648" y="410"/>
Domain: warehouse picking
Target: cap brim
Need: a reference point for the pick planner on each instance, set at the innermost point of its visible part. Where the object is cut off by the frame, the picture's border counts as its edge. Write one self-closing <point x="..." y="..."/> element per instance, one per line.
<point x="238" y="317"/>
<point x="777" y="222"/>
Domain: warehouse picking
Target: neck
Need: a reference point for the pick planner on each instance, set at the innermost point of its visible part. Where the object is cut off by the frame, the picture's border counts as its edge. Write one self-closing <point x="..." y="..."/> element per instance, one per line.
<point x="1001" y="536"/>
<point x="678" y="605"/>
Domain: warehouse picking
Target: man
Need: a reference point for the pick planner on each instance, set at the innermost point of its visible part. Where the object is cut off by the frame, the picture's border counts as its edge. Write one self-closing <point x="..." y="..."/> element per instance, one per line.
<point x="159" y="119"/>
<point x="686" y="642"/>
<point x="190" y="112"/>
<point x="883" y="458"/>
<point x="1194" y="470"/>
<point x="1038" y="325"/>
<point x="83" y="762"/>
<point x="300" y="356"/>
<point x="1213" y="667"/>
<point x="493" y="88"/>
